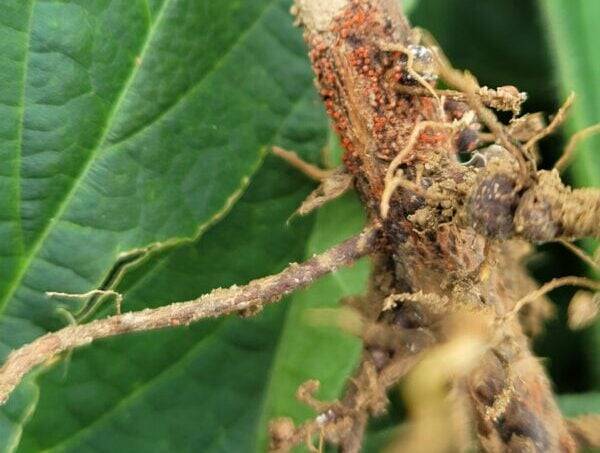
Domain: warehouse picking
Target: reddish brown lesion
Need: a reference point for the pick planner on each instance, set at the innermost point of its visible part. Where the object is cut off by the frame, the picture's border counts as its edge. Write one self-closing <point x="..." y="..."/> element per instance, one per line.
<point x="358" y="83"/>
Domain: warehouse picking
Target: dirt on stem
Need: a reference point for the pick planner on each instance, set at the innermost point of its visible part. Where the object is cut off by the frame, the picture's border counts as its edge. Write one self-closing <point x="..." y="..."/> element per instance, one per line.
<point x="452" y="232"/>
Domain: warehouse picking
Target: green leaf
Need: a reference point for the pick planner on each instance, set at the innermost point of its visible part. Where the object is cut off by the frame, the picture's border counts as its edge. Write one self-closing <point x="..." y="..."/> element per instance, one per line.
<point x="572" y="29"/>
<point x="579" y="404"/>
<point x="128" y="126"/>
<point x="190" y="388"/>
<point x="212" y="386"/>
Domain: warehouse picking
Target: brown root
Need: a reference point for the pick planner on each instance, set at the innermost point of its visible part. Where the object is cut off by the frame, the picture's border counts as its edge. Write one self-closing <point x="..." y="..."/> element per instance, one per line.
<point x="581" y="254"/>
<point x="312" y="171"/>
<point x="565" y="159"/>
<point x="219" y="302"/>
<point x="556" y="122"/>
<point x="334" y="185"/>
<point x="551" y="286"/>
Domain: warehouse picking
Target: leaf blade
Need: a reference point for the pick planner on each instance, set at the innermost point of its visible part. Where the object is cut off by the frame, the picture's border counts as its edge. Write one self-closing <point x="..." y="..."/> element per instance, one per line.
<point x="255" y="227"/>
<point x="571" y="28"/>
<point x="89" y="193"/>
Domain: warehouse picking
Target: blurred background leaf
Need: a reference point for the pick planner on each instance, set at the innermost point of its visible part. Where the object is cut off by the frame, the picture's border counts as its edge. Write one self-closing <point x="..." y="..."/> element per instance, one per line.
<point x="580" y="404"/>
<point x="572" y="29"/>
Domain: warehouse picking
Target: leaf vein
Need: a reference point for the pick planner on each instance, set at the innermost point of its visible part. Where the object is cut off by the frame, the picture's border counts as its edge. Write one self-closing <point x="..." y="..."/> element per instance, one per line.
<point x="218" y="63"/>
<point x="65" y="202"/>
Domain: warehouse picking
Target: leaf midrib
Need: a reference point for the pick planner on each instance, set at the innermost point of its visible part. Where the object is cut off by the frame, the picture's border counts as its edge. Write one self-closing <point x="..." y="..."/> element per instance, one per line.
<point x="140" y="390"/>
<point x="88" y="163"/>
<point x="24" y="264"/>
<point x="20" y="130"/>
